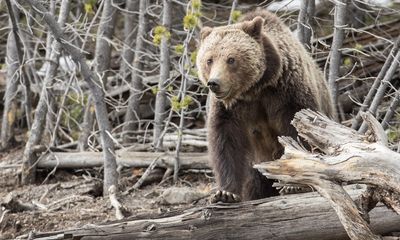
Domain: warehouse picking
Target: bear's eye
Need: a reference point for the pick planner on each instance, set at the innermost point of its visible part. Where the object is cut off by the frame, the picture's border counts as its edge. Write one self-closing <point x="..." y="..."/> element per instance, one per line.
<point x="230" y="60"/>
<point x="209" y="61"/>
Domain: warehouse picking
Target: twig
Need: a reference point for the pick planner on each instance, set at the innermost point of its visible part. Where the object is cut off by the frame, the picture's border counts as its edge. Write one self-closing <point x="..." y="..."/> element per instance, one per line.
<point x="141" y="180"/>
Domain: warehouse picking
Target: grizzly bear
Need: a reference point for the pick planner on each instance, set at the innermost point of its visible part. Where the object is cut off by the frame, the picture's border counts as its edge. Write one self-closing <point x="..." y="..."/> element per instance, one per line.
<point x="260" y="76"/>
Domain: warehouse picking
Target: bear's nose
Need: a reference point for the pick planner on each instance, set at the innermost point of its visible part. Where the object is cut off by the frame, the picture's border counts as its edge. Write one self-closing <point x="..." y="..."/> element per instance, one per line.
<point x="213" y="84"/>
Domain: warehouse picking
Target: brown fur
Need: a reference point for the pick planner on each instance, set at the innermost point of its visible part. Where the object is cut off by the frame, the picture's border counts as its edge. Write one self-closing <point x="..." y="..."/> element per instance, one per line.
<point x="271" y="79"/>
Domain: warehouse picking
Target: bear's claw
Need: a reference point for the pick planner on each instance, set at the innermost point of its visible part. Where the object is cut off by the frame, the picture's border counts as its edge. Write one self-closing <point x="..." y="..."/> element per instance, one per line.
<point x="225" y="197"/>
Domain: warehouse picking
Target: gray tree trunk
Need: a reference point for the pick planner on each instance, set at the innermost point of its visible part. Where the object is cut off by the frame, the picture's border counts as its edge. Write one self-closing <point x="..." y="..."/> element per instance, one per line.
<point x="129" y="40"/>
<point x="39" y="122"/>
<point x="13" y="76"/>
<point x="95" y="86"/>
<point x="159" y="114"/>
<point x="102" y="59"/>
<point x="132" y="115"/>
<point x="306" y="14"/>
<point x="335" y="54"/>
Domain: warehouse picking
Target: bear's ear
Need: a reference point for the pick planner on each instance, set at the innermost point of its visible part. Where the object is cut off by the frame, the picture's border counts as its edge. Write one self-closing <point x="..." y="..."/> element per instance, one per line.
<point x="254" y="27"/>
<point x="205" y="31"/>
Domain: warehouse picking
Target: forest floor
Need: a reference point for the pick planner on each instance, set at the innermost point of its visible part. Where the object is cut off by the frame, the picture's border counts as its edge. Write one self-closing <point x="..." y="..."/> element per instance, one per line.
<point x="66" y="199"/>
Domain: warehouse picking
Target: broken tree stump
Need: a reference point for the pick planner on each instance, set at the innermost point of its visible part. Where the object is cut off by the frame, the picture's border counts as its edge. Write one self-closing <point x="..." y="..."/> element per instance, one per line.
<point x="342" y="156"/>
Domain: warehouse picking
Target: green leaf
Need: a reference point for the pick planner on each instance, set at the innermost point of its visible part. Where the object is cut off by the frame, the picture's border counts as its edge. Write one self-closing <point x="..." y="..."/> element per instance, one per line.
<point x="190" y="21"/>
<point x="236" y="15"/>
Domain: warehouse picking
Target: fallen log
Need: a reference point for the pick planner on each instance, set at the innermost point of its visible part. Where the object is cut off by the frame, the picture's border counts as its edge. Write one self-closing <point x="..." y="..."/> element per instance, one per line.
<point x="300" y="216"/>
<point x="79" y="160"/>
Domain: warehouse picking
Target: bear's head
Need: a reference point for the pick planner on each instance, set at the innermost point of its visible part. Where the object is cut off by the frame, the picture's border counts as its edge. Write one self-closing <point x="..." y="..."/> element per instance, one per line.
<point x="231" y="59"/>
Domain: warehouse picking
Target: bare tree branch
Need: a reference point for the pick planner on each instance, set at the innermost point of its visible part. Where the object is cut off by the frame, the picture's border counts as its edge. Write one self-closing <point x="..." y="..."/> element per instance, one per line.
<point x="95" y="85"/>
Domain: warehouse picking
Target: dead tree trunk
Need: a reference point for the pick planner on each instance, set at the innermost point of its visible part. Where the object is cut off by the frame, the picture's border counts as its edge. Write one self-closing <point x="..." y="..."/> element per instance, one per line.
<point x="335" y="53"/>
<point x="159" y="113"/>
<point x="347" y="157"/>
<point x="39" y="122"/>
<point x="13" y="75"/>
<point x="296" y="217"/>
<point x="129" y="41"/>
<point x="101" y="63"/>
<point x="95" y="86"/>
<point x="132" y="115"/>
<point x="304" y="28"/>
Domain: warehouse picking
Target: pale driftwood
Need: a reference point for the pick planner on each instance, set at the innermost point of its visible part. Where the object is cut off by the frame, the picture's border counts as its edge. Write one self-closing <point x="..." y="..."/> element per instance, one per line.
<point x="347" y="158"/>
<point x="301" y="216"/>
<point x="126" y="159"/>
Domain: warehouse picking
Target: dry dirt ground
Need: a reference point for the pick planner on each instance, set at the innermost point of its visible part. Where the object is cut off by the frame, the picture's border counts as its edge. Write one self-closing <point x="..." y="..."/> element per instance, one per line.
<point x="65" y="199"/>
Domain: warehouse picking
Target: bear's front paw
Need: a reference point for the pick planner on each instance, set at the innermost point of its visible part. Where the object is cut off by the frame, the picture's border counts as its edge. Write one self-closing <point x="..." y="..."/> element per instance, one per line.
<point x="225" y="197"/>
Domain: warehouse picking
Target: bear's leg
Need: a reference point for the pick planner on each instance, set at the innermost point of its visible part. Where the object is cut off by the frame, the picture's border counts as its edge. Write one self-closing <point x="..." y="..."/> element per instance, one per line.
<point x="229" y="153"/>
